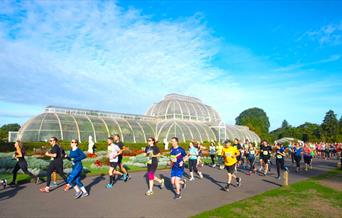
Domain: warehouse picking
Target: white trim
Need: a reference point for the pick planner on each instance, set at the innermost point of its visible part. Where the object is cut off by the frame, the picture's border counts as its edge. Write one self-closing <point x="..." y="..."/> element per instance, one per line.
<point x="60" y="126"/>
<point x="92" y="125"/>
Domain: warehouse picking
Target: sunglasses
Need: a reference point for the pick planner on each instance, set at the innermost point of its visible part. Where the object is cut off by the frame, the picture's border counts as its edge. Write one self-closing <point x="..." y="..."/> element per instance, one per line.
<point x="51" y="140"/>
<point x="150" y="140"/>
<point x="74" y="142"/>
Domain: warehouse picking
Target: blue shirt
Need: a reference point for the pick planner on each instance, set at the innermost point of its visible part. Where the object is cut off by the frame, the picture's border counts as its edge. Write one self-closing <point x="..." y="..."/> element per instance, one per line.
<point x="76" y="156"/>
<point x="177" y="155"/>
<point x="193" y="153"/>
<point x="298" y="151"/>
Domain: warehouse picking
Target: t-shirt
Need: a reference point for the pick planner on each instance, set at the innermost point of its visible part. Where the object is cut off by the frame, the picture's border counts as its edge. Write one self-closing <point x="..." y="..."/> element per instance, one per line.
<point x="177" y="155"/>
<point x="279" y="152"/>
<point x="298" y="151"/>
<point x="193" y="153"/>
<point x="113" y="150"/>
<point x="251" y="152"/>
<point x="152" y="150"/>
<point x="307" y="151"/>
<point x="212" y="149"/>
<point x="59" y="153"/>
<point x="76" y="156"/>
<point x="229" y="155"/>
<point x="121" y="146"/>
<point x="265" y="151"/>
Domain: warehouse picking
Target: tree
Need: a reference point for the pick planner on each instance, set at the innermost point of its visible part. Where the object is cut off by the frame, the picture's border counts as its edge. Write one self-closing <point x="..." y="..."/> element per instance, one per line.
<point x="285" y="124"/>
<point x="256" y="119"/>
<point x="330" y="126"/>
<point x="6" y="128"/>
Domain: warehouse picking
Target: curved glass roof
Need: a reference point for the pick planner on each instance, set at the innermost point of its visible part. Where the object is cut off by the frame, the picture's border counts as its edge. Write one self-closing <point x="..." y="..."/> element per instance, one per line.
<point x="185" y="117"/>
<point x="181" y="107"/>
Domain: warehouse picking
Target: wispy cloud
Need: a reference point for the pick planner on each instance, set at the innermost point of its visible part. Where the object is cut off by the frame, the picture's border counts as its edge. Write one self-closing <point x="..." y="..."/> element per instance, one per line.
<point x="330" y="34"/>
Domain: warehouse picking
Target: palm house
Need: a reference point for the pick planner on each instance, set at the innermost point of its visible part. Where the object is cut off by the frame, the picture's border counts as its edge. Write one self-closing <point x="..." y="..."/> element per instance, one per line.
<point x="176" y="115"/>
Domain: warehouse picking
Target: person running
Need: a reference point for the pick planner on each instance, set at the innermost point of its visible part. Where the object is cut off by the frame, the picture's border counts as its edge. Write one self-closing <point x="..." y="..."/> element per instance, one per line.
<point x="122" y="147"/>
<point x="113" y="154"/>
<point x="251" y="155"/>
<point x="239" y="157"/>
<point x="307" y="154"/>
<point x="200" y="149"/>
<point x="297" y="156"/>
<point x="212" y="152"/>
<point x="220" y="159"/>
<point x="280" y="154"/>
<point x="291" y="152"/>
<point x="74" y="179"/>
<point x="193" y="155"/>
<point x="230" y="154"/>
<point x="21" y="163"/>
<point x="57" y="154"/>
<point x="152" y="153"/>
<point x="266" y="151"/>
<point x="178" y="158"/>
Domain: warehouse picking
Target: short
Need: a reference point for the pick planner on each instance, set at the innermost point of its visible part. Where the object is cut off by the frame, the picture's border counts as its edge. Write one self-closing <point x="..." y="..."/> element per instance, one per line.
<point x="114" y="164"/>
<point x="119" y="159"/>
<point x="177" y="172"/>
<point x="230" y="169"/>
<point x="307" y="159"/>
<point x="266" y="159"/>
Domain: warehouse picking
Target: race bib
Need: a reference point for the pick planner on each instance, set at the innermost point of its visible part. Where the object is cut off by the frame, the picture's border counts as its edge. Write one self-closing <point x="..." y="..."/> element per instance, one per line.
<point x="228" y="154"/>
<point x="149" y="161"/>
<point x="265" y="152"/>
<point x="173" y="158"/>
<point x="252" y="152"/>
<point x="279" y="156"/>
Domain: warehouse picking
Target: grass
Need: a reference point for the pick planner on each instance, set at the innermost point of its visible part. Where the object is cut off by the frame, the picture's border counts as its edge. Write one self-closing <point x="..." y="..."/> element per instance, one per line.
<point x="307" y="198"/>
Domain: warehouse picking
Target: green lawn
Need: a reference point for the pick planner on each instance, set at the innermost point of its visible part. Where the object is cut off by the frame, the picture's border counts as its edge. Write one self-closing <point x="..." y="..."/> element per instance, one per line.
<point x="308" y="198"/>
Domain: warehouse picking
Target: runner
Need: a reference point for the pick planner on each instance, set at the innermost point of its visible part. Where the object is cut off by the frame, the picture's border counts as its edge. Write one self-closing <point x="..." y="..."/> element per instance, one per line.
<point x="56" y="154"/>
<point x="152" y="153"/>
<point x="122" y="147"/>
<point x="280" y="154"/>
<point x="251" y="153"/>
<point x="193" y="155"/>
<point x="21" y="163"/>
<point x="220" y="159"/>
<point x="307" y="157"/>
<point x="239" y="157"/>
<point x="230" y="154"/>
<point x="266" y="151"/>
<point x="200" y="149"/>
<point x="297" y="156"/>
<point x="212" y="152"/>
<point x="178" y="157"/>
<point x="113" y="153"/>
<point x="74" y="178"/>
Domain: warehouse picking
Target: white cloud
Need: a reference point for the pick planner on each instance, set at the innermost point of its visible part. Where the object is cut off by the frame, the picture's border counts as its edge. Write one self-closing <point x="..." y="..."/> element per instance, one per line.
<point x="330" y="34"/>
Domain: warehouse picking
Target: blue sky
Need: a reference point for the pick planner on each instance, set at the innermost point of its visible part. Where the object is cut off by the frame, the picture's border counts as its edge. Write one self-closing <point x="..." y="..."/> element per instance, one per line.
<point x="122" y="56"/>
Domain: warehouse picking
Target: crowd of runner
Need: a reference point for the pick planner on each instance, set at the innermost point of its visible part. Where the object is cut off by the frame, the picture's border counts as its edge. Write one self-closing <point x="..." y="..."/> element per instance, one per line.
<point x="233" y="156"/>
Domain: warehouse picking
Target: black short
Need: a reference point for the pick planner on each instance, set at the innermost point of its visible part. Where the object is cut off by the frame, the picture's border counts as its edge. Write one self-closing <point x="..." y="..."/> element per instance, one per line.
<point x="120" y="159"/>
<point x="266" y="159"/>
<point x="238" y="158"/>
<point x="114" y="164"/>
<point x="230" y="169"/>
<point x="307" y="159"/>
<point x="152" y="167"/>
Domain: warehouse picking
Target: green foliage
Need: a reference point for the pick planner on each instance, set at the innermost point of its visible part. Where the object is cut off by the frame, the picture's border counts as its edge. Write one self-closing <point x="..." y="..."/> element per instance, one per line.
<point x="6" y="128"/>
<point x="330" y="127"/>
<point x="256" y="119"/>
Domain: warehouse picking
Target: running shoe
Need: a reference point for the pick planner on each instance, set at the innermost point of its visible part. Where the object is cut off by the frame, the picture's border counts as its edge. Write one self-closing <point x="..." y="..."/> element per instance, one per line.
<point x="278" y="177"/>
<point x="66" y="187"/>
<point x="45" y="189"/>
<point x="184" y="184"/>
<point x="127" y="177"/>
<point x="12" y="184"/>
<point x="286" y="169"/>
<point x="192" y="179"/>
<point x="77" y="194"/>
<point x="238" y="181"/>
<point x="109" y="186"/>
<point x="200" y="175"/>
<point x="149" y="192"/>
<point x="37" y="181"/>
<point x="162" y="184"/>
<point x="226" y="188"/>
<point x="249" y="173"/>
<point x="214" y="165"/>
<point x="84" y="194"/>
<point x="178" y="196"/>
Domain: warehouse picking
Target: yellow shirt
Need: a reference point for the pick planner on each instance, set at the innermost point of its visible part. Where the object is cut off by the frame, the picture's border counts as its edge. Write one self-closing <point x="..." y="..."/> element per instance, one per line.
<point x="229" y="155"/>
<point x="219" y="149"/>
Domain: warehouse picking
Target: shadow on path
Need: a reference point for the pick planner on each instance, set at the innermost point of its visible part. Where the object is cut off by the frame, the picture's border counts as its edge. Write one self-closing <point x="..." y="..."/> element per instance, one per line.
<point x="10" y="192"/>
<point x="95" y="181"/>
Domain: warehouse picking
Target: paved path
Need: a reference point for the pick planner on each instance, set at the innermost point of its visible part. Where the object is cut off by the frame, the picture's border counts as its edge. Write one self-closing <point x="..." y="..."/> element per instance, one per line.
<point x="128" y="199"/>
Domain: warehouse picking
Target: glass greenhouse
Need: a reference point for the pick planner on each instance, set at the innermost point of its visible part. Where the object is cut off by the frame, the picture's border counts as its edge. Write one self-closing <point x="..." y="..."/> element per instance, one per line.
<point x="176" y="115"/>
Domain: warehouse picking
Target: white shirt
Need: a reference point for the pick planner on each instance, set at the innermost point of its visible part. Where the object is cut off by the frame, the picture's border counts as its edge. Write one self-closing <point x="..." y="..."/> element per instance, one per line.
<point x="113" y="151"/>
